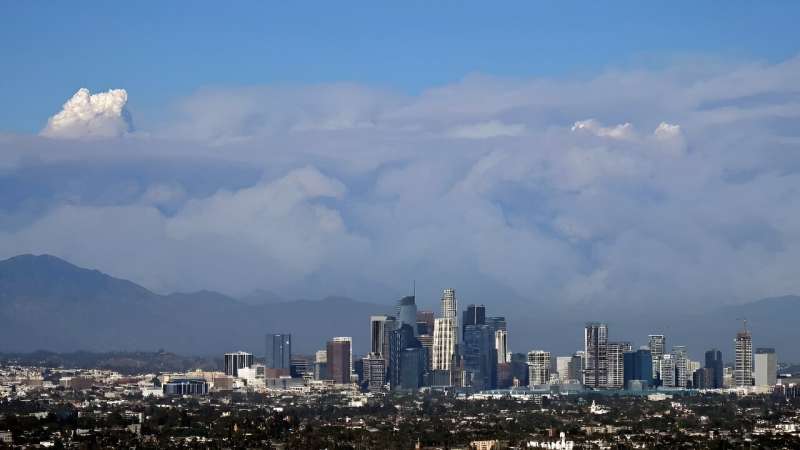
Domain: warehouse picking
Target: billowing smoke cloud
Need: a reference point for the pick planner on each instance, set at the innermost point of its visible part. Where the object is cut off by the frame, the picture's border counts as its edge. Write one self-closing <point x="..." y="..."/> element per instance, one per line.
<point x="87" y="115"/>
<point x="680" y="190"/>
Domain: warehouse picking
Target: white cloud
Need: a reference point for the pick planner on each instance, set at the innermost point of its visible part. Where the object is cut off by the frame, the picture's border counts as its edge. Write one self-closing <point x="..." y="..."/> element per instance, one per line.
<point x="484" y="130"/>
<point x="90" y="115"/>
<point x="385" y="194"/>
<point x="621" y="131"/>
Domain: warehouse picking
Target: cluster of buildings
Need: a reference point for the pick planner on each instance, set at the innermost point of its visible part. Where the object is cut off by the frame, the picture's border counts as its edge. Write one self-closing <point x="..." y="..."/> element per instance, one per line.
<point x="468" y="349"/>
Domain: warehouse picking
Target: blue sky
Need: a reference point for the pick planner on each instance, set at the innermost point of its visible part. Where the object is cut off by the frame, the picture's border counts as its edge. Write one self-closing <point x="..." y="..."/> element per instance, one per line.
<point x="160" y="51"/>
<point x="628" y="154"/>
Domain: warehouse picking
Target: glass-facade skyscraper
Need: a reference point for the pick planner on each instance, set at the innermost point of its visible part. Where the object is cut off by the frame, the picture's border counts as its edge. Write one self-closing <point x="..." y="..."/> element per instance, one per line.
<point x="638" y="366"/>
<point x="279" y="351"/>
<point x="714" y="363"/>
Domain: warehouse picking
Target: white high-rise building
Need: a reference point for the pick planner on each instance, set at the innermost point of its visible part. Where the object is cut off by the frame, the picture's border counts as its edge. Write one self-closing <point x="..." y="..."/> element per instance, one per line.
<point x="445" y="339"/>
<point x="616" y="366"/>
<point x="743" y="367"/>
<point x="766" y="372"/>
<point x="538" y="367"/>
<point x="657" y="345"/>
<point x="681" y="365"/>
<point x="668" y="371"/>
<point x="562" y="367"/>
<point x="501" y="345"/>
<point x="449" y="304"/>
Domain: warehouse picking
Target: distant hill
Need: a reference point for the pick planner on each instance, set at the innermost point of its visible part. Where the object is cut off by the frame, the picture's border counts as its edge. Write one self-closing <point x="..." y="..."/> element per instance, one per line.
<point x="48" y="303"/>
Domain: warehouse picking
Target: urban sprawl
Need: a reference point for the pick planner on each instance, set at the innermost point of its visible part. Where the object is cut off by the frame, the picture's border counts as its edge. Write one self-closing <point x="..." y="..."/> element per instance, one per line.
<point x="428" y="381"/>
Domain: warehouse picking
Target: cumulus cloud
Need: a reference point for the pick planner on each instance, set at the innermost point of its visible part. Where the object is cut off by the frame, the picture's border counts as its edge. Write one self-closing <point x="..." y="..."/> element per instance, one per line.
<point x="483" y="184"/>
<point x="621" y="131"/>
<point x="87" y="115"/>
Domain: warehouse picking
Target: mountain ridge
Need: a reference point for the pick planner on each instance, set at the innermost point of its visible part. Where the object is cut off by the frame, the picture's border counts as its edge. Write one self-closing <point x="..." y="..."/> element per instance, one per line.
<point x="49" y="303"/>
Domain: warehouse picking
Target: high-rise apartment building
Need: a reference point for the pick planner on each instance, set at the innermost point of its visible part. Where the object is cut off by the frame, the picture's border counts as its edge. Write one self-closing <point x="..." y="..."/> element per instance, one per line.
<point x="445" y="341"/>
<point x="743" y="366"/>
<point x="339" y="359"/>
<point x="682" y="374"/>
<point x="538" y="367"/>
<point x="279" y="351"/>
<point x="657" y="345"/>
<point x="374" y="372"/>
<point x="714" y="364"/>
<point x="595" y="374"/>
<point x="236" y="361"/>
<point x="766" y="367"/>
<point x="667" y="372"/>
<point x="616" y="364"/>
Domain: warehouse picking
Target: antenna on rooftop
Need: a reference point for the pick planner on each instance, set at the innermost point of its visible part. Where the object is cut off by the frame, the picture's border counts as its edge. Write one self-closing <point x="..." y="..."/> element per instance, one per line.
<point x="744" y="323"/>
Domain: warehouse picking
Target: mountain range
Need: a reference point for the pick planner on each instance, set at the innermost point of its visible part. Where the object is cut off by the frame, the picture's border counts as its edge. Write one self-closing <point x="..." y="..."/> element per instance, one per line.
<point x="47" y="303"/>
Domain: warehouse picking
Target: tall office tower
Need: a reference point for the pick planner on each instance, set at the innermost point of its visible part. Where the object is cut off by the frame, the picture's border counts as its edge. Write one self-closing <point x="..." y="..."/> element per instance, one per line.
<point x="473" y="315"/>
<point x="766" y="363"/>
<point x="501" y="345"/>
<point x="377" y="325"/>
<point x="339" y="359"/>
<point x="497" y="322"/>
<point x="425" y="319"/>
<point x="401" y="339"/>
<point x="389" y="326"/>
<point x="374" y="372"/>
<point x="743" y="367"/>
<point x="538" y="367"/>
<point x="426" y="340"/>
<point x="595" y="375"/>
<point x="714" y="363"/>
<point x="682" y="373"/>
<point x="279" y="351"/>
<point x="519" y="368"/>
<point x="638" y="365"/>
<point x="562" y="367"/>
<point x="412" y="368"/>
<point x="450" y="305"/>
<point x="616" y="364"/>
<point x="236" y="361"/>
<point x="668" y="378"/>
<point x="407" y="312"/>
<point x="658" y="345"/>
<point x="480" y="358"/>
<point x="445" y="339"/>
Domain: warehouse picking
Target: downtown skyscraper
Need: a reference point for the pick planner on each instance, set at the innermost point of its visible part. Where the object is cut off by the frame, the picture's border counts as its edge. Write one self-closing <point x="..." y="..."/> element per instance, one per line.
<point x="657" y="345"/>
<point x="279" y="351"/>
<point x="445" y="333"/>
<point x="616" y="364"/>
<point x="743" y="366"/>
<point x="595" y="338"/>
